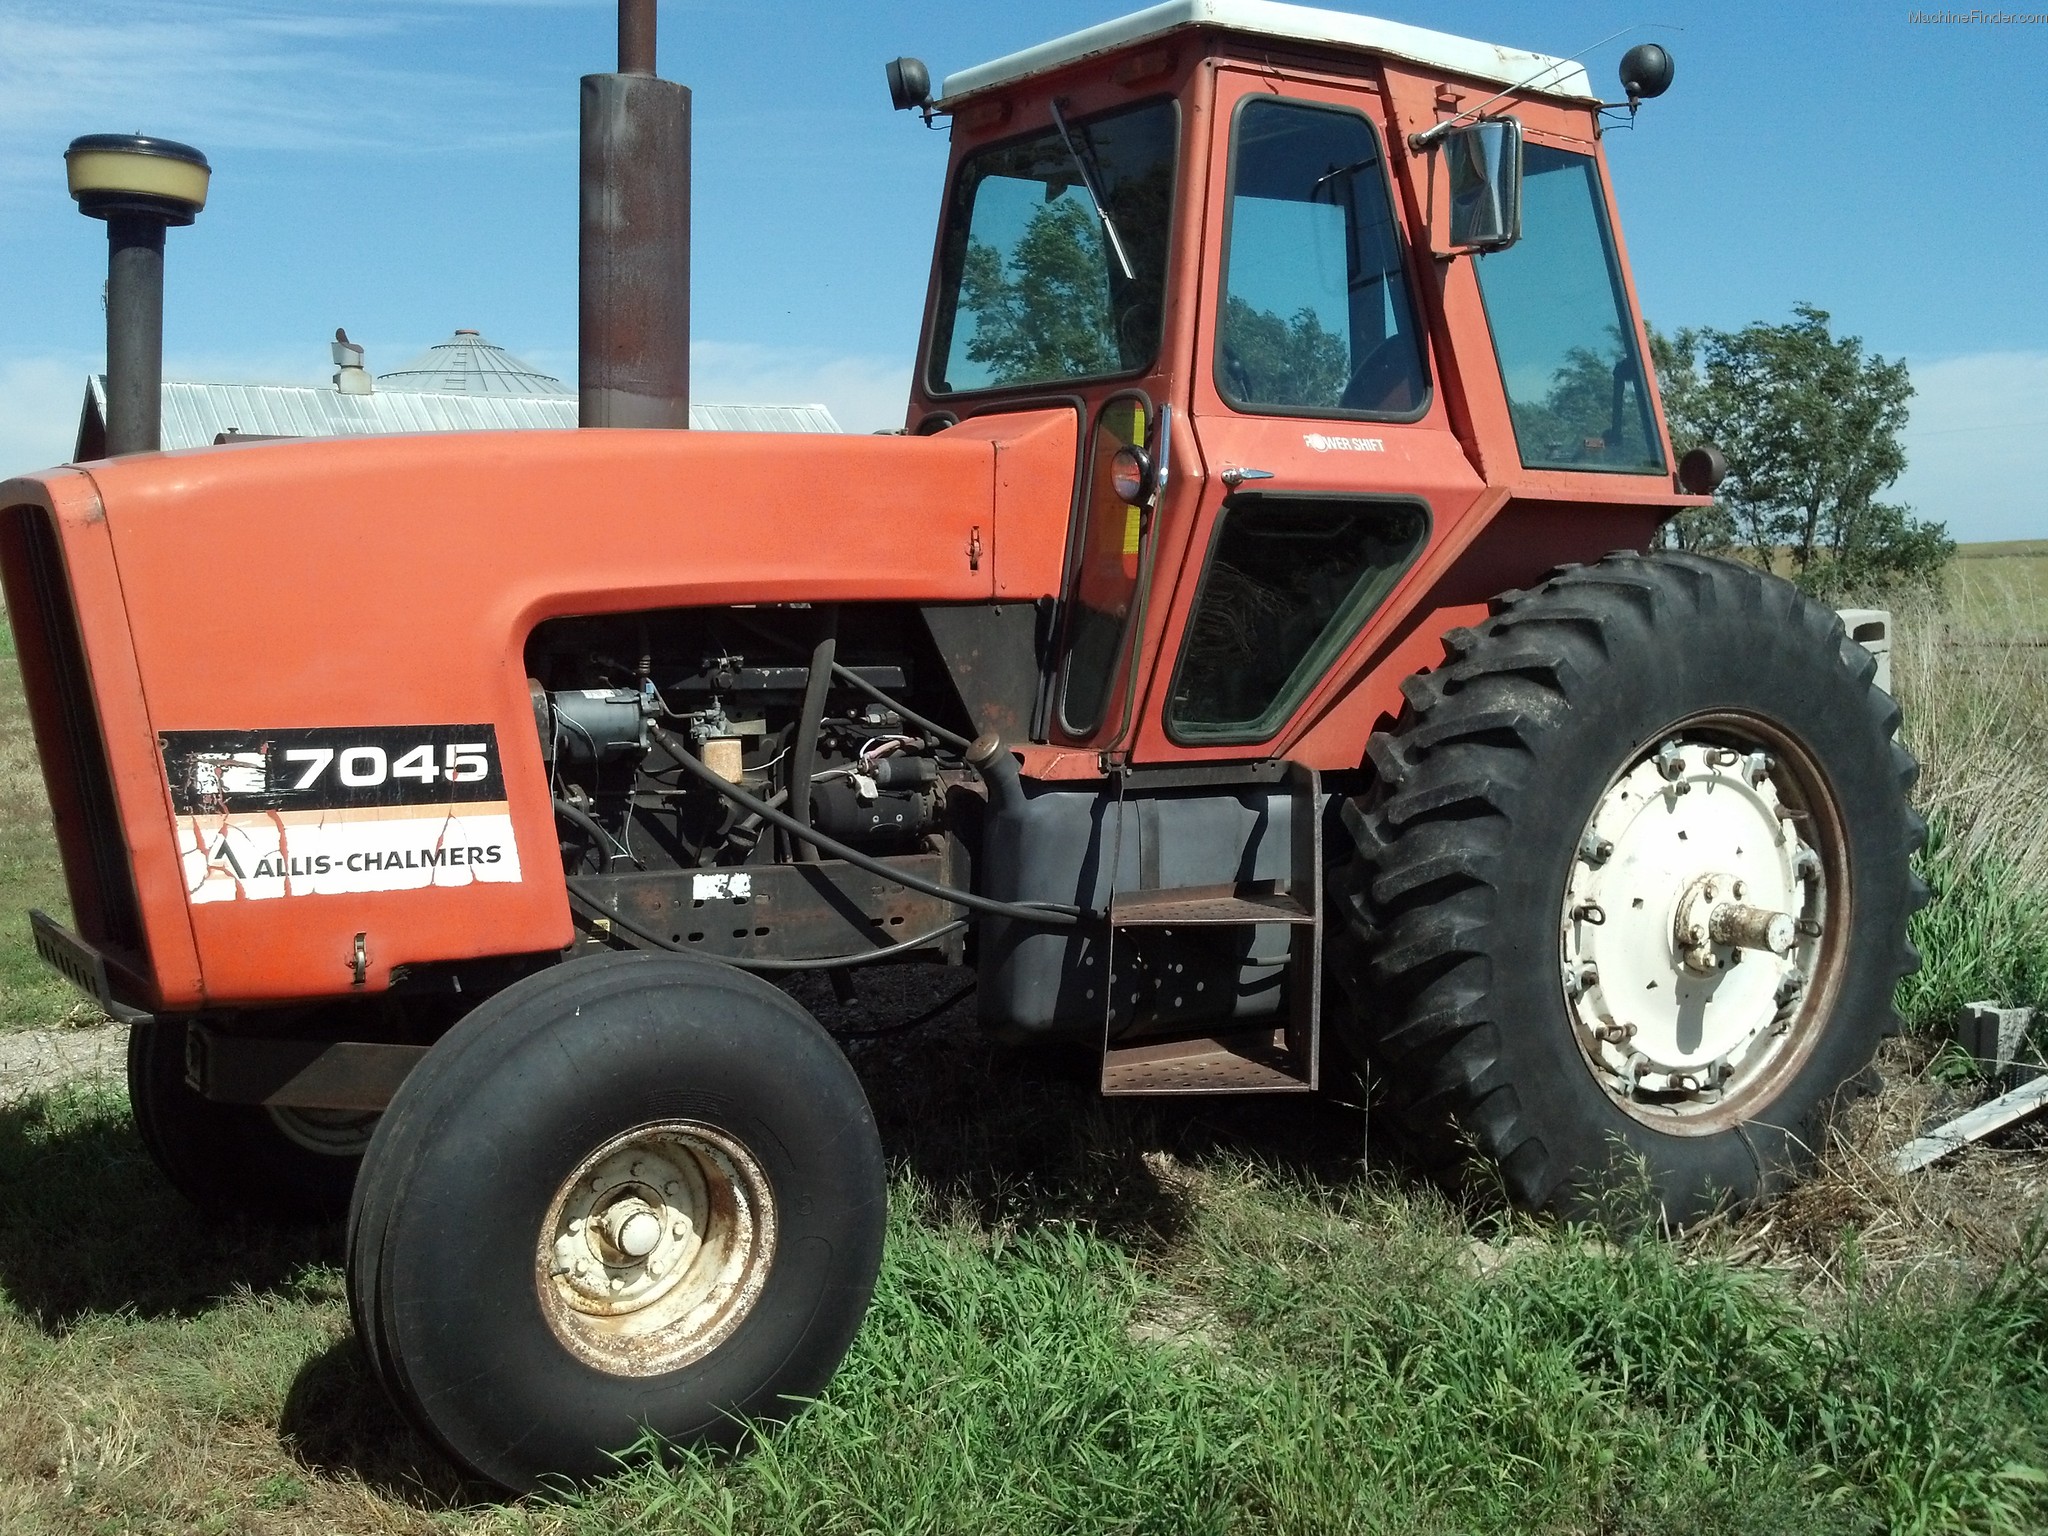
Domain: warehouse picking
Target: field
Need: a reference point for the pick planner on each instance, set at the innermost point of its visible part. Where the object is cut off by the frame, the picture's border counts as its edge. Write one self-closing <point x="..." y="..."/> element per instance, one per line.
<point x="30" y="993"/>
<point x="1106" y="1317"/>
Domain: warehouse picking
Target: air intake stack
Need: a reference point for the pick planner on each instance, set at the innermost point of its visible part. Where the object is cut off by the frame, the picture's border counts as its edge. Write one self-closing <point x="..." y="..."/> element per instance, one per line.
<point x="141" y="186"/>
<point x="633" y="356"/>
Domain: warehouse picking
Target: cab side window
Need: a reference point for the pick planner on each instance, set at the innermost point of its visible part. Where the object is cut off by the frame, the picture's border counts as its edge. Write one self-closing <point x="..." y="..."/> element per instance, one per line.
<point x="1562" y="328"/>
<point x="1317" y="318"/>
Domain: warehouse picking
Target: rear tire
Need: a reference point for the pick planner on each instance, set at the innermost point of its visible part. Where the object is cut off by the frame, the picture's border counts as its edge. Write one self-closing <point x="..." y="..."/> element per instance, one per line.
<point x="634" y="1193"/>
<point x="237" y="1159"/>
<point x="1465" y="929"/>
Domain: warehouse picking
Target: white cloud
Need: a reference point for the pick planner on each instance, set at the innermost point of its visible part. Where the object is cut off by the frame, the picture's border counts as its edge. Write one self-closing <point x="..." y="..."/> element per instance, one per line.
<point x="39" y="402"/>
<point x="233" y="74"/>
<point x="864" y="394"/>
<point x="1973" y="445"/>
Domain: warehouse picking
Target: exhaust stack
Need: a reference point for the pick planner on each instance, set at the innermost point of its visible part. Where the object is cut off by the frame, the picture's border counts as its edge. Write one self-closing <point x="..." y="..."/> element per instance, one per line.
<point x="141" y="186"/>
<point x="633" y="353"/>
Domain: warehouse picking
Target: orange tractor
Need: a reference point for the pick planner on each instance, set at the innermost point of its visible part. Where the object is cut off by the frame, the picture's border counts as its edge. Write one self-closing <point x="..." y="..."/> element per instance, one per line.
<point x="1230" y="646"/>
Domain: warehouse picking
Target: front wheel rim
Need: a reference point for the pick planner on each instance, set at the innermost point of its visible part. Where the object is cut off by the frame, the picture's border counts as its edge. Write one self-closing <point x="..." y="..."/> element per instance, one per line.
<point x="655" y="1248"/>
<point x="1704" y="921"/>
<point x="341" y="1133"/>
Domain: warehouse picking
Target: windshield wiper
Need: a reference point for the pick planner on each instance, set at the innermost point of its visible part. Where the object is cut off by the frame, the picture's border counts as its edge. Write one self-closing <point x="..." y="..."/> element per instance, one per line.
<point x="1086" y="166"/>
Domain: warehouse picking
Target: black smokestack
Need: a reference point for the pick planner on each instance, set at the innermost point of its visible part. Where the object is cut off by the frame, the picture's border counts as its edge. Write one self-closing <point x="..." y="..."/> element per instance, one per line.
<point x="633" y="358"/>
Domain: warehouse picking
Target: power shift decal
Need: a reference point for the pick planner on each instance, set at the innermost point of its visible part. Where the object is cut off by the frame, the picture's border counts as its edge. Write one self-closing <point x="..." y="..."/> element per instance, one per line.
<point x="324" y="812"/>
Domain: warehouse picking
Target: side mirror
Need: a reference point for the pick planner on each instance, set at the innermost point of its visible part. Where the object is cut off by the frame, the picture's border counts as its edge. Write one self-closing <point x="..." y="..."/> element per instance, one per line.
<point x="1486" y="184"/>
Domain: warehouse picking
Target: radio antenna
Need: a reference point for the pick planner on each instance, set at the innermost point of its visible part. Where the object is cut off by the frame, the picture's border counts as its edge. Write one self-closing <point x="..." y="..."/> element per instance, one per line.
<point x="1429" y="136"/>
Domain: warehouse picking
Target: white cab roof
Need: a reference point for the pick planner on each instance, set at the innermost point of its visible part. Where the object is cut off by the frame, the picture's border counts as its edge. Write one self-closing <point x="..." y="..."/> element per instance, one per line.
<point x="1538" y="73"/>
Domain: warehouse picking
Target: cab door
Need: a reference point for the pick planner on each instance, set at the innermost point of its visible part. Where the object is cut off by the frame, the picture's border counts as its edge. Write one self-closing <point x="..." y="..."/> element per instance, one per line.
<point x="1108" y="579"/>
<point x="1329" y="459"/>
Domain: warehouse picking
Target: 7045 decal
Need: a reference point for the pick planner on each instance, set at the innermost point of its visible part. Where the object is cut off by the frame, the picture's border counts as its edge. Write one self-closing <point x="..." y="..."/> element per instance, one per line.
<point x="331" y="768"/>
<point x="329" y="811"/>
<point x="462" y="762"/>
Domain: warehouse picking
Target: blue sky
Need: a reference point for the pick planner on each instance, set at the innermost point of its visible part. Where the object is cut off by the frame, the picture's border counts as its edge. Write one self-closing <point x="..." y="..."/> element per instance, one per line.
<point x="404" y="167"/>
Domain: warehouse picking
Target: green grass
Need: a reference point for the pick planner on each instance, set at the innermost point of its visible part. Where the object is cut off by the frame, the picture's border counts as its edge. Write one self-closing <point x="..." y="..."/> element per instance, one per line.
<point x="1100" y="1317"/>
<point x="31" y="994"/>
<point x="1982" y="936"/>
<point x="1972" y="679"/>
<point x="1237" y="1344"/>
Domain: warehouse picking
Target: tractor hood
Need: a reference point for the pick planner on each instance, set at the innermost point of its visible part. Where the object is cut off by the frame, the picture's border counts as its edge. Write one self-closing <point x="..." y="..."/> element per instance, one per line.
<point x="392" y="582"/>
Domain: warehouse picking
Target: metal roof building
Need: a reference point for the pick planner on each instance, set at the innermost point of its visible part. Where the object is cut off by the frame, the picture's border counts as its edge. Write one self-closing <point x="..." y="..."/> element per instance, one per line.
<point x="466" y="364"/>
<point x="464" y="384"/>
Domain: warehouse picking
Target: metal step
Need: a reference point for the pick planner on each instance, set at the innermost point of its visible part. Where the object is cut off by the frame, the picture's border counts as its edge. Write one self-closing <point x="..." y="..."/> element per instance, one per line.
<point x="1279" y="1057"/>
<point x="1248" y="1061"/>
<point x="1198" y="905"/>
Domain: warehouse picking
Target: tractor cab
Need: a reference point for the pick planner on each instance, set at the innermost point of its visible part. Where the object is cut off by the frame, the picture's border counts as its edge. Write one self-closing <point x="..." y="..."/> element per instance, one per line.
<point x="1333" y="296"/>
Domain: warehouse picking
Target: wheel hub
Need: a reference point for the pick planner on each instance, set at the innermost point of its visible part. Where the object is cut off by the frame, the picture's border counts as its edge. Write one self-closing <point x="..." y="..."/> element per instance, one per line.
<point x="1691" y="921"/>
<point x="1712" y="918"/>
<point x="655" y="1248"/>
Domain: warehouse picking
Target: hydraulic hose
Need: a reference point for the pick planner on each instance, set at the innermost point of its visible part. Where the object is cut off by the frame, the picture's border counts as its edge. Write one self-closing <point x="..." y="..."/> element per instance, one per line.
<point x="607" y="845"/>
<point x="952" y="739"/>
<point x="1044" y="914"/>
<point x="853" y="679"/>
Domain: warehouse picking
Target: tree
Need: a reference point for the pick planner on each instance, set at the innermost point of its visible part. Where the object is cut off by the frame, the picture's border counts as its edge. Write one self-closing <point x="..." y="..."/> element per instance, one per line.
<point x="1592" y="413"/>
<point x="1047" y="316"/>
<point x="1810" y="425"/>
<point x="1282" y="362"/>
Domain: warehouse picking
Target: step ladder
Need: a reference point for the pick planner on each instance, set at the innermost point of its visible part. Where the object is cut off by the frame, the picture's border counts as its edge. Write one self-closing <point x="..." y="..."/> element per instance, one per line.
<point x="1261" y="1057"/>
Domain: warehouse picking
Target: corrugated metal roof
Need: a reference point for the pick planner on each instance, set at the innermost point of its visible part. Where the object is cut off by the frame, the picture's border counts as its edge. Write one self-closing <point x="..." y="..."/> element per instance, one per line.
<point x="195" y="414"/>
<point x="762" y="418"/>
<point x="466" y="364"/>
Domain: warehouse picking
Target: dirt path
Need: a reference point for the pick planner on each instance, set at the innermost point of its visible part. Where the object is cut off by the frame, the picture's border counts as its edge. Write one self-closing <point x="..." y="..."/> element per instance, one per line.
<point x="37" y="1060"/>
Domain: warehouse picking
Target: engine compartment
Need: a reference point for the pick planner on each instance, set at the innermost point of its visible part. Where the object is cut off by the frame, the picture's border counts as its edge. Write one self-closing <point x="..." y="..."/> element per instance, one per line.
<point x="836" y="714"/>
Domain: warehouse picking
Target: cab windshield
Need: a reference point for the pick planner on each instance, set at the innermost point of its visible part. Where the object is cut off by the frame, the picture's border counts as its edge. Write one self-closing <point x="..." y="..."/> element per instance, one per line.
<point x="1032" y="289"/>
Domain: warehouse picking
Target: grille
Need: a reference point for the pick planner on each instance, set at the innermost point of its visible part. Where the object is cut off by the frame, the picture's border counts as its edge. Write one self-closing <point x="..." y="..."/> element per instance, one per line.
<point x="107" y="910"/>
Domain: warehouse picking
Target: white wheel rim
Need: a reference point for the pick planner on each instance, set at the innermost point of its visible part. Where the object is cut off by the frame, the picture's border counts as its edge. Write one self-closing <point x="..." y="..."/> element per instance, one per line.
<point x="330" y="1132"/>
<point x="1694" y="939"/>
<point x="655" y="1248"/>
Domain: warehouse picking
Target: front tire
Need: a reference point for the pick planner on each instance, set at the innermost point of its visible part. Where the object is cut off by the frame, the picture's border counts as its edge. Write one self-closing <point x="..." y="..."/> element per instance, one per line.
<point x="633" y="1193"/>
<point x="1617" y="762"/>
